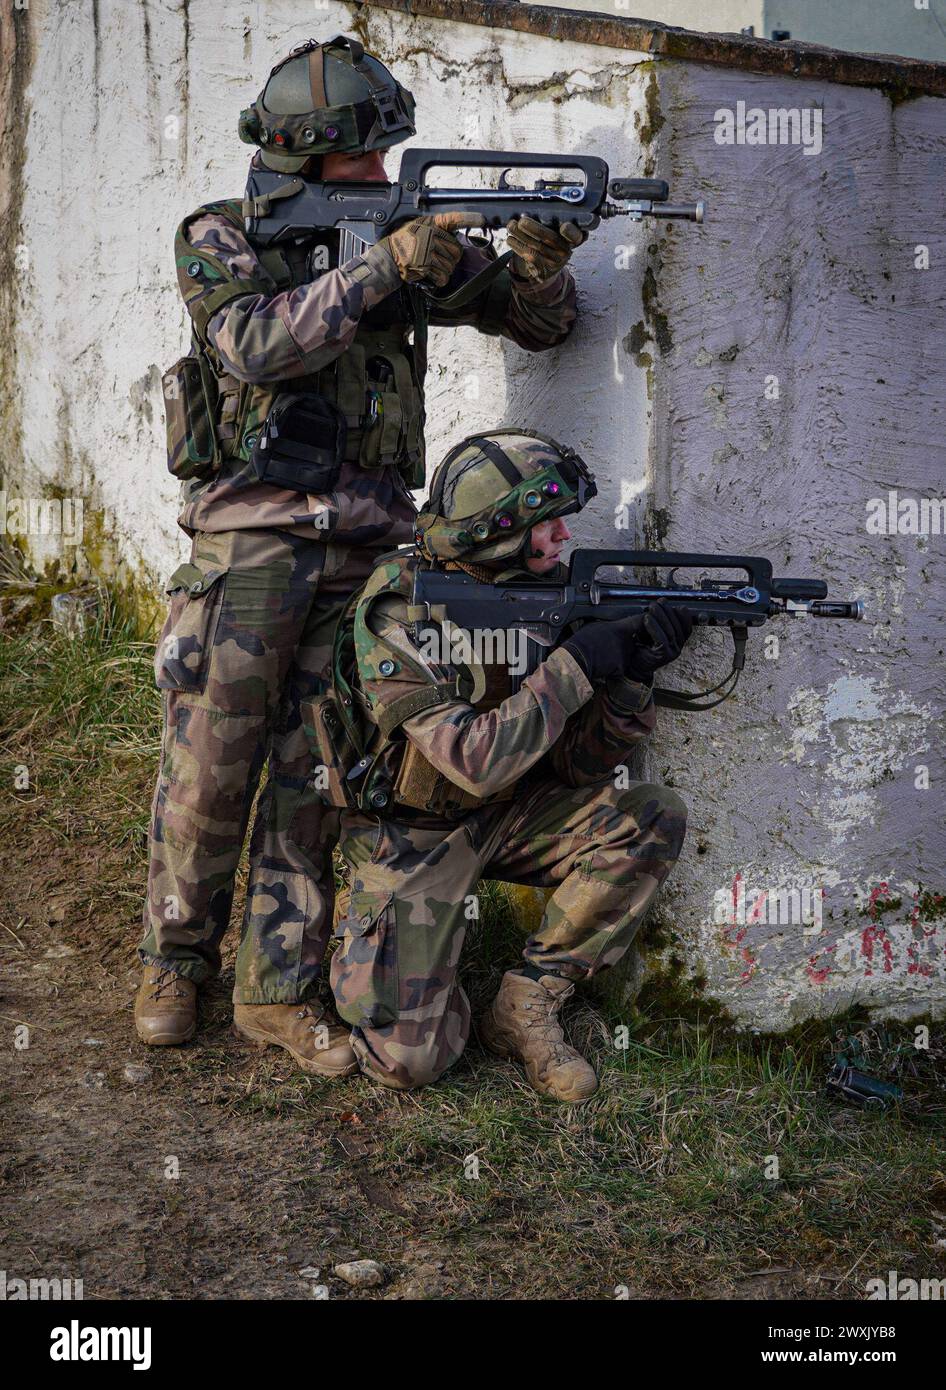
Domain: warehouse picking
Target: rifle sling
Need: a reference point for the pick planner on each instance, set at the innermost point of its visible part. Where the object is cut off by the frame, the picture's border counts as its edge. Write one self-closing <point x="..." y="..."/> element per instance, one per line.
<point x="474" y="287"/>
<point x="681" y="699"/>
<point x="688" y="700"/>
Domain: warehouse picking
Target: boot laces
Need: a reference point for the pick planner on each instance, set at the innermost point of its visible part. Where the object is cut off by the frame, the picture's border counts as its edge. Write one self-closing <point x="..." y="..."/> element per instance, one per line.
<point x="548" y="1030"/>
<point x="317" y="1012"/>
<point x="167" y="981"/>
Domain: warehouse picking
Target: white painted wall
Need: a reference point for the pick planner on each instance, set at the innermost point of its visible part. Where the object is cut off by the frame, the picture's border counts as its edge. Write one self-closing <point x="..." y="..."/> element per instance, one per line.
<point x="804" y="270"/>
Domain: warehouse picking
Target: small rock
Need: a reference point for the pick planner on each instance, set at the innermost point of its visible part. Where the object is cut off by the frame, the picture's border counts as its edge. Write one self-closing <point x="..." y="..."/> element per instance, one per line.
<point x="361" y="1274"/>
<point x="93" y="1042"/>
<point x="58" y="952"/>
<point x="417" y="1289"/>
<point x="74" y="612"/>
<point x="93" y="1080"/>
<point x="136" y="1073"/>
<point x="310" y="1272"/>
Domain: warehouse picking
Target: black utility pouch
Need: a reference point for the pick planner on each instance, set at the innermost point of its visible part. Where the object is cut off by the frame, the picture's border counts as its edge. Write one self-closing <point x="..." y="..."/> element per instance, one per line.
<point x="302" y="444"/>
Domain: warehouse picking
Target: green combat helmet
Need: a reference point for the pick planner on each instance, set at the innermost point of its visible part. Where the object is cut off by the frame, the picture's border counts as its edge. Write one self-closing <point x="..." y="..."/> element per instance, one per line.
<point x="324" y="97"/>
<point x="491" y="489"/>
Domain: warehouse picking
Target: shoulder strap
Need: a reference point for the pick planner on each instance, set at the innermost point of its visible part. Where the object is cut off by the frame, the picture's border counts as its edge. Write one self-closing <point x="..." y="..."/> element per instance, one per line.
<point x="203" y="307"/>
<point x="393" y="715"/>
<point x="406" y="706"/>
<point x="209" y="304"/>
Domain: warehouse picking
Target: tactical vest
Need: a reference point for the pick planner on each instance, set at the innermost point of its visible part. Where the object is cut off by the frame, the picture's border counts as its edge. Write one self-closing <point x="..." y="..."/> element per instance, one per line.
<point x="368" y="763"/>
<point x="377" y="383"/>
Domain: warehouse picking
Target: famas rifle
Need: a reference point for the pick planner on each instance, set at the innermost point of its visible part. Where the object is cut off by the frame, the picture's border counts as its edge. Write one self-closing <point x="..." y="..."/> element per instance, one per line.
<point x="280" y="207"/>
<point x="546" y="611"/>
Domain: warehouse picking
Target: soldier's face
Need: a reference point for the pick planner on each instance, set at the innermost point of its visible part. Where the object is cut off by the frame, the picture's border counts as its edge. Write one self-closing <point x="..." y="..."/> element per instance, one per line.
<point x="546" y="540"/>
<point x="367" y="167"/>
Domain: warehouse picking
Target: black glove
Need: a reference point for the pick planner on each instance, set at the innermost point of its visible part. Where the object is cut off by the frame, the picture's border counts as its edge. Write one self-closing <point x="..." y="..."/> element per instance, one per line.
<point x="602" y="648"/>
<point x="635" y="647"/>
<point x="665" y="630"/>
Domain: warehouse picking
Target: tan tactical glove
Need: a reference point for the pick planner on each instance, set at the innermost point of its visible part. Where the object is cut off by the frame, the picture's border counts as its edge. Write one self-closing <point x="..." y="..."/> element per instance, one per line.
<point x="540" y="252"/>
<point x="427" y="248"/>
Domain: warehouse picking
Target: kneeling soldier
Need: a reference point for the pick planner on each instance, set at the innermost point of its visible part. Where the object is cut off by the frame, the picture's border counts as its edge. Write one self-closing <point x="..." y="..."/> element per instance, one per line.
<point x="466" y="777"/>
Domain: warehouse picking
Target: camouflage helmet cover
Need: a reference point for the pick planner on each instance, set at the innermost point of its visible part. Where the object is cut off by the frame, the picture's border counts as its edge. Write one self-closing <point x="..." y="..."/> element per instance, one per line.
<point x="492" y="488"/>
<point x="326" y="97"/>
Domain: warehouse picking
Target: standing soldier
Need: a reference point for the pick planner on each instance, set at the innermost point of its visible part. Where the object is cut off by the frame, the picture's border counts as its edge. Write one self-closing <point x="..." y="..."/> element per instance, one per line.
<point x="297" y="425"/>
<point x="464" y="778"/>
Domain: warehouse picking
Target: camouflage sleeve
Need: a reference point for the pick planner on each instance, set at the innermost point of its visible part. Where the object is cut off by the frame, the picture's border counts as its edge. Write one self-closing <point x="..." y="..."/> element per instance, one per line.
<point x="268" y="336"/>
<point x="536" y="317"/>
<point x="480" y="753"/>
<point x="599" y="737"/>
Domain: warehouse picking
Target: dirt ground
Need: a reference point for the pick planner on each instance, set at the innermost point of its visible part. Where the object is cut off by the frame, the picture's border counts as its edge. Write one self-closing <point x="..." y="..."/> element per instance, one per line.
<point x="259" y="1197"/>
<point x="216" y="1171"/>
<point x="281" y="1178"/>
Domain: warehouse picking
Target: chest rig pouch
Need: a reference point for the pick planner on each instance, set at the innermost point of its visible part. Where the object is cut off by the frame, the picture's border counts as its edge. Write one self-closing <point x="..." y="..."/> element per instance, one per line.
<point x="481" y="679"/>
<point x="424" y="787"/>
<point x="301" y="444"/>
<point x="366" y="406"/>
<point x="377" y="383"/>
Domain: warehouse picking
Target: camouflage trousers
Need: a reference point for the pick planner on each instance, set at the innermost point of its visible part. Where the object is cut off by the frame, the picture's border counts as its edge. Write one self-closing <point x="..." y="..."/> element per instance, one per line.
<point x="605" y="852"/>
<point x="246" y="645"/>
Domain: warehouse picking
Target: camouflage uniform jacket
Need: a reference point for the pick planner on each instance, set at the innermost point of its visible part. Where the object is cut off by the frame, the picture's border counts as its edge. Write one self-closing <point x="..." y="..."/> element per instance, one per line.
<point x="273" y="320"/>
<point x="557" y="725"/>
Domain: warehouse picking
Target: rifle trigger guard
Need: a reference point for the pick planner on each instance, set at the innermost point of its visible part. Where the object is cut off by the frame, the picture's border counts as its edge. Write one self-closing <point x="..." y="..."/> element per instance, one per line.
<point x="480" y="239"/>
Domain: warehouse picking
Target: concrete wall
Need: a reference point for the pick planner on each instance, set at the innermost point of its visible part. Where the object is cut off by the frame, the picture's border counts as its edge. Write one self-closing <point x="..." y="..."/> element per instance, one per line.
<point x="796" y="381"/>
<point x="804" y="272"/>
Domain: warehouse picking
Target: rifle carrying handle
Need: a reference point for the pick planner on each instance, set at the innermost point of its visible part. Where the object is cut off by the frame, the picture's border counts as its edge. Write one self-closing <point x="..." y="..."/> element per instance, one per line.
<point x="584" y="563"/>
<point x="415" y="163"/>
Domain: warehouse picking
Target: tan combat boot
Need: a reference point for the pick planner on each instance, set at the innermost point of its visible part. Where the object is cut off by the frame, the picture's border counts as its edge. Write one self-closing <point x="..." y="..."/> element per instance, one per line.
<point x="311" y="1033"/>
<point x="165" y="1007"/>
<point x="522" y="1022"/>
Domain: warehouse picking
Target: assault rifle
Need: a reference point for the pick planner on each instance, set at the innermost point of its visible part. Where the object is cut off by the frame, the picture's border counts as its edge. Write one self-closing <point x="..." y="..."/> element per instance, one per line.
<point x="280" y="207"/>
<point x="547" y="610"/>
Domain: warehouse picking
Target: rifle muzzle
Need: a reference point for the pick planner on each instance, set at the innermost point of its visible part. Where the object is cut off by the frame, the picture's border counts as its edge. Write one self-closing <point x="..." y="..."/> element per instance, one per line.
<point x="836" y="608"/>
